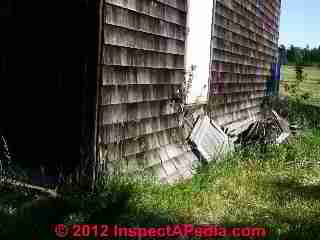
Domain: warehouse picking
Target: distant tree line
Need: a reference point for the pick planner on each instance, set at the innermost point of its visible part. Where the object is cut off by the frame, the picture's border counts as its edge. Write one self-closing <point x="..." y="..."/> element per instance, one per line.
<point x="304" y="56"/>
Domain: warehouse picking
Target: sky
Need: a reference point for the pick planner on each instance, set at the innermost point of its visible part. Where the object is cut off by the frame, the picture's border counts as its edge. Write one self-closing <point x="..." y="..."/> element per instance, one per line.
<point x="198" y="44"/>
<point x="299" y="25"/>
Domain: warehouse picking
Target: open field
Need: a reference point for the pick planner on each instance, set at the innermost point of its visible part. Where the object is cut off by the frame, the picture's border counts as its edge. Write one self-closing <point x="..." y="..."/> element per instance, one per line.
<point x="311" y="84"/>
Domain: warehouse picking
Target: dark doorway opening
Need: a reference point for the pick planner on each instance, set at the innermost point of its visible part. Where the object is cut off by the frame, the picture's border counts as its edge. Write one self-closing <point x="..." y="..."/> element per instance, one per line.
<point x="47" y="51"/>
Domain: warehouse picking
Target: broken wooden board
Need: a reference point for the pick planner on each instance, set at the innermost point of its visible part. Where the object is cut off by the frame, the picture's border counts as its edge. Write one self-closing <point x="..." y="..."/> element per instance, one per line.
<point x="210" y="140"/>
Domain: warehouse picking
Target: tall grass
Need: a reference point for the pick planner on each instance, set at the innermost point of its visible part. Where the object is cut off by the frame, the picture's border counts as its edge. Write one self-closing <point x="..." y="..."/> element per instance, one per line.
<point x="279" y="190"/>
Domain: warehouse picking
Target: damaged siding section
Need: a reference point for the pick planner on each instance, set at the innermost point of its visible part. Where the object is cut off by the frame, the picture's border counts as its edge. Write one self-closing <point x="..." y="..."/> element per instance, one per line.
<point x="212" y="143"/>
<point x="244" y="51"/>
<point x="143" y="68"/>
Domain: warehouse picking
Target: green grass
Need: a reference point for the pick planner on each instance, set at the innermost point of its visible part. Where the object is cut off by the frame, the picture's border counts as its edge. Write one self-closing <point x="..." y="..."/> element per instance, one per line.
<point x="279" y="190"/>
<point x="311" y="84"/>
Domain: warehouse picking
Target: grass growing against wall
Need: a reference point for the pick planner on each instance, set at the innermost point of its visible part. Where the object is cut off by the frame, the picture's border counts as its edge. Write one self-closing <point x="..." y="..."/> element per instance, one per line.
<point x="279" y="189"/>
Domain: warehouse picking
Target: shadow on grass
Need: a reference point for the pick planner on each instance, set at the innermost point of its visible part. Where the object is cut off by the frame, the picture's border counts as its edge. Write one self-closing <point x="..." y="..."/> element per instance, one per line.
<point x="111" y="208"/>
<point x="286" y="224"/>
<point x="290" y="188"/>
<point x="302" y="231"/>
<point x="309" y="112"/>
<point x="301" y="226"/>
<point x="298" y="111"/>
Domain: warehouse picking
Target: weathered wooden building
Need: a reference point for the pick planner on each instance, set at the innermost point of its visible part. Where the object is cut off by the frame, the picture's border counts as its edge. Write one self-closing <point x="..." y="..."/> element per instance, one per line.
<point x="127" y="57"/>
<point x="142" y="48"/>
<point x="244" y="52"/>
<point x="131" y="70"/>
<point x="142" y="72"/>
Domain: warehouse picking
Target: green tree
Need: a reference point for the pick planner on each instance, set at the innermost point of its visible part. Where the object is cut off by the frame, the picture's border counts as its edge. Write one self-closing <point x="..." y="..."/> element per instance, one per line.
<point x="306" y="55"/>
<point x="291" y="54"/>
<point x="297" y="55"/>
